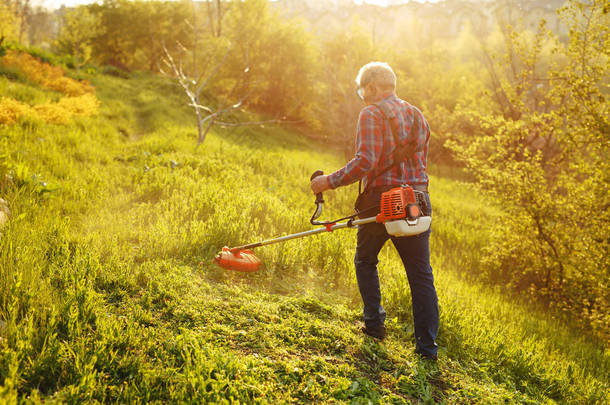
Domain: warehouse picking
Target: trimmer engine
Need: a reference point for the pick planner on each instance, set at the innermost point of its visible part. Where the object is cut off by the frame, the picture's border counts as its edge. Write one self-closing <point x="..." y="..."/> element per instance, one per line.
<point x="401" y="213"/>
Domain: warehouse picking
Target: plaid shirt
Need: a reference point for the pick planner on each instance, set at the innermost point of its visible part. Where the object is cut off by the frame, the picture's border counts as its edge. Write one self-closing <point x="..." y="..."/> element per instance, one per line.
<point x="375" y="144"/>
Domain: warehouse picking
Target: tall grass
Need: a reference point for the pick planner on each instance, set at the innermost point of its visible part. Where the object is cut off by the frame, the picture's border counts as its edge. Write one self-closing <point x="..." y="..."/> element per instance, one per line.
<point x="107" y="291"/>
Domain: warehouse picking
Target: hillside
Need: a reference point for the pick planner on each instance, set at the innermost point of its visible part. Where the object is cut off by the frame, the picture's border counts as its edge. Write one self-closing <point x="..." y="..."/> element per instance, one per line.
<point x="108" y="292"/>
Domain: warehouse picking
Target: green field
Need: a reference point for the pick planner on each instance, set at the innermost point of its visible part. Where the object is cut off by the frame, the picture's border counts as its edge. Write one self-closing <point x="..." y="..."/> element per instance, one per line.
<point x="108" y="292"/>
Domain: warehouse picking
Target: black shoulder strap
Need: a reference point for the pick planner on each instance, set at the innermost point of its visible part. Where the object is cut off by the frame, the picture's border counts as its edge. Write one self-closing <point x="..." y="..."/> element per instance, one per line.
<point x="402" y="151"/>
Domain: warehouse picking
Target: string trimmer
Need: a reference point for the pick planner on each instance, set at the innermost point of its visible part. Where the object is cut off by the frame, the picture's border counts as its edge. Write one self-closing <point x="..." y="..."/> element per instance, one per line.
<point x="400" y="210"/>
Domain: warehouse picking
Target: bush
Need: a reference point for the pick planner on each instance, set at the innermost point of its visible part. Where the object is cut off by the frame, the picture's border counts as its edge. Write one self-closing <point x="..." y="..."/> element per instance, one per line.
<point x="66" y="108"/>
<point x="11" y="110"/>
<point x="50" y="77"/>
<point x="541" y="152"/>
<point x="62" y="112"/>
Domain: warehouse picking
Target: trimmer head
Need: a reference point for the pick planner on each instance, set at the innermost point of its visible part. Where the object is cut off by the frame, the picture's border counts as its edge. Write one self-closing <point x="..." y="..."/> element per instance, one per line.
<point x="238" y="260"/>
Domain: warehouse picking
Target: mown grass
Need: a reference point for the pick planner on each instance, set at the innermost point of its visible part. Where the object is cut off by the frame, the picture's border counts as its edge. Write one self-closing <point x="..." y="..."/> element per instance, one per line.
<point x="108" y="294"/>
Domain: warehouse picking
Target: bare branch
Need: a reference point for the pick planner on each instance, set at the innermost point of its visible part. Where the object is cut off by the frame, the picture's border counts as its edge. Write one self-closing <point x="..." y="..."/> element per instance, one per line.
<point x="250" y="123"/>
<point x="182" y="47"/>
<point x="193" y="88"/>
<point x="201" y="86"/>
<point x="193" y="104"/>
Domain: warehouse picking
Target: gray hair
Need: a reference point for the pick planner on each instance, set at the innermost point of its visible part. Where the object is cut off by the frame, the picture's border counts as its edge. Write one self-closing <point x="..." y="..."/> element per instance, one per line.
<point x="379" y="73"/>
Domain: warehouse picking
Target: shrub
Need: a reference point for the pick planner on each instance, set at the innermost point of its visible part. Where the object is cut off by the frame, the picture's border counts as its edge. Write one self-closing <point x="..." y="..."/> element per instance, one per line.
<point x="11" y="110"/>
<point x="62" y="112"/>
<point x="542" y="153"/>
<point x="66" y="108"/>
<point x="50" y="77"/>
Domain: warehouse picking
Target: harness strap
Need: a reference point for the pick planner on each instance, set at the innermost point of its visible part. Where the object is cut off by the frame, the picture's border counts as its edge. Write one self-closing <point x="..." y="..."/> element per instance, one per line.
<point x="402" y="152"/>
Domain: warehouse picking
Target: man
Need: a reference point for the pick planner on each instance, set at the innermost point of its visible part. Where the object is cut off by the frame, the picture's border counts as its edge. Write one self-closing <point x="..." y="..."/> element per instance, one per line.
<point x="375" y="144"/>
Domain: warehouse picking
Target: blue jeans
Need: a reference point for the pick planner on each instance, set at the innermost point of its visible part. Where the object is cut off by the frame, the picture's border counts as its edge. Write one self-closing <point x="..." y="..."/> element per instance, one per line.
<point x="415" y="254"/>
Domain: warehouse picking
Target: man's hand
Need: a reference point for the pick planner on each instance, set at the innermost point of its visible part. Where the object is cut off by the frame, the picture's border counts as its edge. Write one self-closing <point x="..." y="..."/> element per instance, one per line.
<point x="320" y="184"/>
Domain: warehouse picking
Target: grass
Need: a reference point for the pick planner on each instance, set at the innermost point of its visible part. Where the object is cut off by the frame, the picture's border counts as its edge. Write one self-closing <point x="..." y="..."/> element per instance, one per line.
<point x="108" y="294"/>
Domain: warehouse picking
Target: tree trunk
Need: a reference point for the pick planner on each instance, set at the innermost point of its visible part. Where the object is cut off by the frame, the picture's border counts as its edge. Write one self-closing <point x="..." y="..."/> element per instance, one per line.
<point x="211" y="17"/>
<point x="195" y="35"/>
<point x="200" y="136"/>
<point x="24" y="15"/>
<point x="218" y="17"/>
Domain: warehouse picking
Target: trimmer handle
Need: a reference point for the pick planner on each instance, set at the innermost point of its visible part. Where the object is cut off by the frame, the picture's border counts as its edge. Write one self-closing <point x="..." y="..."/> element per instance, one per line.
<point x="319" y="197"/>
<point x="319" y="200"/>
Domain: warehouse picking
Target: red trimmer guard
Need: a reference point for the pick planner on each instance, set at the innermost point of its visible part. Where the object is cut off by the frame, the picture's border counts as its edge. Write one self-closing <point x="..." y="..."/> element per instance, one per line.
<point x="238" y="260"/>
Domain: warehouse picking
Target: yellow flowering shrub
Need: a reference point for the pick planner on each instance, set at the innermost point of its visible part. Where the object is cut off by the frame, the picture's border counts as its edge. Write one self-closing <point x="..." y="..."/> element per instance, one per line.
<point x="53" y="112"/>
<point x="50" y="77"/>
<point x="60" y="112"/>
<point x="11" y="110"/>
<point x="80" y="99"/>
<point x="66" y="108"/>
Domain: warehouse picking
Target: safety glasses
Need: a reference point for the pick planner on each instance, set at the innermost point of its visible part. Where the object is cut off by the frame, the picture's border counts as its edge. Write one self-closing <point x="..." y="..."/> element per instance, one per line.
<point x="360" y="92"/>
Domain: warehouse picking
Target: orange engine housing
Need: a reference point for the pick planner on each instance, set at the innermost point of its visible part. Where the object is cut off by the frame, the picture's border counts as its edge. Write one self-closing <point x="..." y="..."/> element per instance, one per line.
<point x="395" y="204"/>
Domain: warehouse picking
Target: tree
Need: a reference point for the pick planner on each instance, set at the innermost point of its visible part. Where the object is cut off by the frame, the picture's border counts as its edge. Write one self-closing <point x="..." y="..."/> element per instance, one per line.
<point x="24" y="12"/>
<point x="77" y="33"/>
<point x="282" y="58"/>
<point x="41" y="27"/>
<point x="215" y="12"/>
<point x="161" y="22"/>
<point x="544" y="155"/>
<point x="9" y="23"/>
<point x="14" y="19"/>
<point x="201" y="72"/>
<point x="114" y="44"/>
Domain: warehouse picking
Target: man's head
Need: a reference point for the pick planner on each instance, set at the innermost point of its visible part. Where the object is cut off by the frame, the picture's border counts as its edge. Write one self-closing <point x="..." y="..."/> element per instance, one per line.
<point x="374" y="80"/>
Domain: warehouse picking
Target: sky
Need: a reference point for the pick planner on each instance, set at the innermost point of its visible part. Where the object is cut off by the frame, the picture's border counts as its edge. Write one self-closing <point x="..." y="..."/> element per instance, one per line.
<point x="53" y="4"/>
